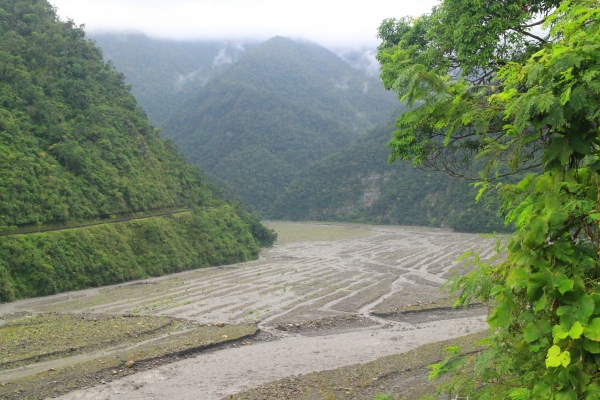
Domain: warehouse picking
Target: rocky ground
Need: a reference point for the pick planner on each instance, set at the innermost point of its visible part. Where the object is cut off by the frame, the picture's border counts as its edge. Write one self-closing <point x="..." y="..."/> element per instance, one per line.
<point x="325" y="297"/>
<point x="402" y="376"/>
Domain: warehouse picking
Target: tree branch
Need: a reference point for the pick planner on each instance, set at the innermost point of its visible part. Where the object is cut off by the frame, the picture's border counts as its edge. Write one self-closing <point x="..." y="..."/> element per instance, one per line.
<point x="533" y="24"/>
<point x="531" y="35"/>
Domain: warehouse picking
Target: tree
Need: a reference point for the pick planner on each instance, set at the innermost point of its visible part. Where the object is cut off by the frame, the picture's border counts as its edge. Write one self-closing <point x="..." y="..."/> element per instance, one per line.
<point x="490" y="93"/>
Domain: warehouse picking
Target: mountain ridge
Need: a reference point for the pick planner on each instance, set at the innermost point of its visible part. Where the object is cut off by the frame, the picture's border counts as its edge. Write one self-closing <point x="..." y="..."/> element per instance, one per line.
<point x="284" y="100"/>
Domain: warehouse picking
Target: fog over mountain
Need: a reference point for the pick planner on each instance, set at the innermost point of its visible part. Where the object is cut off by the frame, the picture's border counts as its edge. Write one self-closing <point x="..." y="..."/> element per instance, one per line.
<point x="333" y="24"/>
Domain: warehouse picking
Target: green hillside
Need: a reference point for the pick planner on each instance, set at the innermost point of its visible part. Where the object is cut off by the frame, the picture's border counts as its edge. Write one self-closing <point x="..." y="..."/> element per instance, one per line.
<point x="74" y="146"/>
<point x="281" y="107"/>
<point x="358" y="185"/>
<point x="164" y="73"/>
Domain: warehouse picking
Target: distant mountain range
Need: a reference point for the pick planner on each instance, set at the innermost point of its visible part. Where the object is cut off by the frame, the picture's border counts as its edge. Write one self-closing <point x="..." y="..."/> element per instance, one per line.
<point x="282" y="106"/>
<point x="281" y="125"/>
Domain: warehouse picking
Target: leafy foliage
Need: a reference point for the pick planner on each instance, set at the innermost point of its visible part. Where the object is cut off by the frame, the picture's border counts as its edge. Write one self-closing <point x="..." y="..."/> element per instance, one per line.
<point x="281" y="107"/>
<point x="48" y="263"/>
<point x="534" y="101"/>
<point x="74" y="146"/>
<point x="356" y="184"/>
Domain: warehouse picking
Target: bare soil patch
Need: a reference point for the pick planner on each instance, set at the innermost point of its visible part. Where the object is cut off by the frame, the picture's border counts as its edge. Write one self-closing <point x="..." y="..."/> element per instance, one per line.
<point x="327" y="326"/>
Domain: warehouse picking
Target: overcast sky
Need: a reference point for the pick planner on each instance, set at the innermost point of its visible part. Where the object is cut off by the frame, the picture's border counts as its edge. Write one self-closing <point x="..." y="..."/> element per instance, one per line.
<point x="339" y="24"/>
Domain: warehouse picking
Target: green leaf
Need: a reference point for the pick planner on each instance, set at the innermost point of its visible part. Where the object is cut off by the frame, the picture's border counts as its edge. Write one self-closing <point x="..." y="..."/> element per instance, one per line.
<point x="501" y="316"/>
<point x="535" y="330"/>
<point x="592" y="331"/>
<point x="595" y="216"/>
<point x="531" y="333"/>
<point x="520" y="394"/>
<point x="576" y="330"/>
<point x="555" y="357"/>
<point x="542" y="390"/>
<point x="538" y="232"/>
<point x="536" y="284"/>
<point x="566" y="394"/>
<point x="540" y="344"/>
<point x="591" y="346"/>
<point x="579" y="144"/>
<point x="559" y="332"/>
<point x="565" y="286"/>
<point x="584" y="308"/>
<point x="540" y="304"/>
<point x="592" y="392"/>
<point x="517" y="278"/>
<point x="559" y="150"/>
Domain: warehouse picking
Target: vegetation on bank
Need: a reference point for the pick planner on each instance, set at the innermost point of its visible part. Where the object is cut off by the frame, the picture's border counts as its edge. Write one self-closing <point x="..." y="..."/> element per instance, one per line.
<point x="484" y="86"/>
<point x="73" y="143"/>
<point x="40" y="264"/>
<point x="75" y="147"/>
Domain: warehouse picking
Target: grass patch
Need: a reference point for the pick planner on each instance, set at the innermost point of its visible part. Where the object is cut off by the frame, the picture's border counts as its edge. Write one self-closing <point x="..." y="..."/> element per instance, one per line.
<point x="50" y="336"/>
<point x="109" y="353"/>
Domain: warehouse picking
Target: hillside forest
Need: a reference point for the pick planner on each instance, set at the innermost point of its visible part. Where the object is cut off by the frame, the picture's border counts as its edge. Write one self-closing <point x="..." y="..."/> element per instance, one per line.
<point x="75" y="147"/>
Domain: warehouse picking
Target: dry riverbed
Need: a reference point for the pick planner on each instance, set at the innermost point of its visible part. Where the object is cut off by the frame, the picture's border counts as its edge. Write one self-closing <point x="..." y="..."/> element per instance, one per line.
<point x="325" y="297"/>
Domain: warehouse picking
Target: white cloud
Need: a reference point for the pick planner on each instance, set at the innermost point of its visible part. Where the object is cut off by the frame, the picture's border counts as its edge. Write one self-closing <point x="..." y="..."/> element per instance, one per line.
<point x="198" y="75"/>
<point x="363" y="59"/>
<point x="222" y="58"/>
<point x="330" y="23"/>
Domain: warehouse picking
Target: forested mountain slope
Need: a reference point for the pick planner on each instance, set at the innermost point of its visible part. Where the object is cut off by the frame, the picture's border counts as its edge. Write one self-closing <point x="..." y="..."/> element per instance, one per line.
<point x="357" y="184"/>
<point x="165" y="73"/>
<point x="282" y="106"/>
<point x="74" y="146"/>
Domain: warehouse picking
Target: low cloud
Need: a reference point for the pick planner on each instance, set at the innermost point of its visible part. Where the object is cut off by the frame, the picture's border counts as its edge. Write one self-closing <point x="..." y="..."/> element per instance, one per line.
<point x="331" y="23"/>
<point x="343" y="85"/>
<point x="198" y="75"/>
<point x="361" y="59"/>
<point x="222" y="59"/>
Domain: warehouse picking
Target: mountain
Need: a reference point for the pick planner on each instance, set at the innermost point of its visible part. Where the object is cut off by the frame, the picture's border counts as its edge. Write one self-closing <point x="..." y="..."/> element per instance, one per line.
<point x="358" y="185"/>
<point x="164" y="73"/>
<point x="281" y="107"/>
<point x="75" y="150"/>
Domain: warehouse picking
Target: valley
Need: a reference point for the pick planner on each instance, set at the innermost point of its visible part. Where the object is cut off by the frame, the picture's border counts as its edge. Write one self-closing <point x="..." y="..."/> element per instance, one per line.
<point x="151" y="189"/>
<point x="325" y="296"/>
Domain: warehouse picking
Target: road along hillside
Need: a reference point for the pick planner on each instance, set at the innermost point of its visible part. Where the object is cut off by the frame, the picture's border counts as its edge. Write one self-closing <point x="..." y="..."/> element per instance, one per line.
<point x="323" y="297"/>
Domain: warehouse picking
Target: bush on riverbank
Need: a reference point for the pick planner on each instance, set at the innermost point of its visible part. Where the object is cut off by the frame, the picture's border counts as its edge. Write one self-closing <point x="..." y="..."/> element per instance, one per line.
<point x="53" y="262"/>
